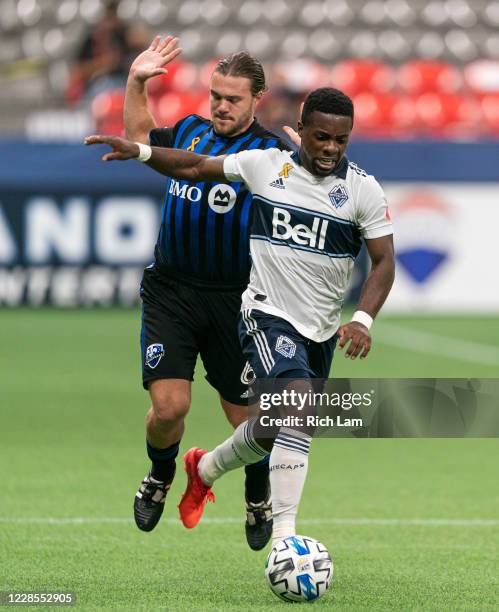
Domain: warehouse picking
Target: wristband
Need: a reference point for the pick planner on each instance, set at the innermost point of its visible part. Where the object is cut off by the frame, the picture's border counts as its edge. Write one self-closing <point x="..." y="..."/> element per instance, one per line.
<point x="362" y="317"/>
<point x="145" y="152"/>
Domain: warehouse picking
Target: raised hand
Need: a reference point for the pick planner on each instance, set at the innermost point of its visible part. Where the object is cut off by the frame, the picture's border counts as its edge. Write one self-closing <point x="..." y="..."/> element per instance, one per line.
<point x="152" y="61"/>
<point x="122" y="149"/>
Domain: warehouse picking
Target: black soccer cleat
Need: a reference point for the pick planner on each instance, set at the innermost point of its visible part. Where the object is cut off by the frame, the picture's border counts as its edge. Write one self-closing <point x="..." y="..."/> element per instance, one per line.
<point x="149" y="502"/>
<point x="259" y="524"/>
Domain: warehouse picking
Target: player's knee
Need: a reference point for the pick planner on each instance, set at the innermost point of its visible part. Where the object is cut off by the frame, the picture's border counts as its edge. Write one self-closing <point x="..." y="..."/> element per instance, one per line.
<point x="170" y="407"/>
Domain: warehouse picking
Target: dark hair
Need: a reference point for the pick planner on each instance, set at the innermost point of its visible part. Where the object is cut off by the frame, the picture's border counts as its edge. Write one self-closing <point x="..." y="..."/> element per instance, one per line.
<point x="327" y="100"/>
<point x="242" y="64"/>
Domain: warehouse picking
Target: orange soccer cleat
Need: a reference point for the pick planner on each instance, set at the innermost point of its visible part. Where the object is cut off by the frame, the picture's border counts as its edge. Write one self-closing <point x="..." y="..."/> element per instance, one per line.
<point x="196" y="493"/>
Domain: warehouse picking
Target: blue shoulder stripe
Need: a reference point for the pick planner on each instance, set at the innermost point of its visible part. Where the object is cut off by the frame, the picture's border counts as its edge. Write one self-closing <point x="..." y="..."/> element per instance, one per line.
<point x="186" y="123"/>
<point x="209" y="255"/>
<point x="271" y="143"/>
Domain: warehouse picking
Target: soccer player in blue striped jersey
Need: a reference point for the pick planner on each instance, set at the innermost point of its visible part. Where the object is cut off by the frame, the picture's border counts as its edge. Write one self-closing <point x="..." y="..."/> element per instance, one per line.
<point x="192" y="292"/>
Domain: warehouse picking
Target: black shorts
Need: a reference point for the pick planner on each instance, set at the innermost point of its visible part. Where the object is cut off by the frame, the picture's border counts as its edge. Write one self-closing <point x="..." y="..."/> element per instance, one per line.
<point x="180" y="322"/>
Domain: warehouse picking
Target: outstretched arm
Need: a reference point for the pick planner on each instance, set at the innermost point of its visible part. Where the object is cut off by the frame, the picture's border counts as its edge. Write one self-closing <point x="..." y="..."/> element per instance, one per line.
<point x="176" y="163"/>
<point x="150" y="63"/>
<point x="373" y="296"/>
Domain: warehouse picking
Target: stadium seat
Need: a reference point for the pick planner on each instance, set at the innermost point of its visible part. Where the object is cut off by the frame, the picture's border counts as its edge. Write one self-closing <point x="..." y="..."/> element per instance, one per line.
<point x="356" y="76"/>
<point x="482" y="76"/>
<point x="300" y="75"/>
<point x="442" y="115"/>
<point x="384" y="115"/>
<point x="167" y="109"/>
<point x="181" y="76"/>
<point x="205" y="72"/>
<point x="184" y="76"/>
<point x="490" y="108"/>
<point x="174" y="105"/>
<point x="215" y="13"/>
<point x="400" y="12"/>
<point x="259" y="42"/>
<point x="421" y="76"/>
<point x="229" y="42"/>
<point x="107" y="112"/>
<point x="324" y="44"/>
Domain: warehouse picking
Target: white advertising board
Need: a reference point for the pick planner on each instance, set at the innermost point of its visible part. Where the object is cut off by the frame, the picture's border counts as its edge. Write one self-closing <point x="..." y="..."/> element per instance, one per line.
<point x="447" y="247"/>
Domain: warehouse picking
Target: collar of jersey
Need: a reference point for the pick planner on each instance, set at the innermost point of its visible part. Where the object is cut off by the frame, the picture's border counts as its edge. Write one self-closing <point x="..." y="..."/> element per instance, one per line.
<point x="250" y="129"/>
<point x="340" y="171"/>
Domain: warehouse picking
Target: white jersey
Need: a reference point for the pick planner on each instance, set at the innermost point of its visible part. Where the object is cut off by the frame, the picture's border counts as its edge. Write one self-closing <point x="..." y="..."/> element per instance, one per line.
<point x="305" y="236"/>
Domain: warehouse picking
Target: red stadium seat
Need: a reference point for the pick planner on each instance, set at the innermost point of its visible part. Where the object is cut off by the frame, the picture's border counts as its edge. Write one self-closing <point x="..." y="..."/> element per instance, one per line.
<point x="107" y="111"/>
<point x="205" y="73"/>
<point x="442" y="115"/>
<point x="159" y="85"/>
<point x="490" y="109"/>
<point x="108" y="103"/>
<point x="168" y="108"/>
<point x="383" y="116"/>
<point x="172" y="106"/>
<point x="356" y="76"/>
<point x="422" y="76"/>
<point x="185" y="77"/>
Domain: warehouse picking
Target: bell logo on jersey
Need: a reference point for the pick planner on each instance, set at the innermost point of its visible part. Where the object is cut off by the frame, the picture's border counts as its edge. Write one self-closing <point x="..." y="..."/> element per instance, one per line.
<point x="314" y="237"/>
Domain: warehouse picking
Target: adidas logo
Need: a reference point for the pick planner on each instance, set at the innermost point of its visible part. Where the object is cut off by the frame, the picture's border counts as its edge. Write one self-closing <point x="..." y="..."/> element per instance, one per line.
<point x="278" y="183"/>
<point x="247" y="394"/>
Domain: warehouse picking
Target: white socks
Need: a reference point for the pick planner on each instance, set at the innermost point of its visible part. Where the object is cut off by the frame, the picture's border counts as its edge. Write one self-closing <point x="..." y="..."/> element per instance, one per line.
<point x="288" y="470"/>
<point x="238" y="450"/>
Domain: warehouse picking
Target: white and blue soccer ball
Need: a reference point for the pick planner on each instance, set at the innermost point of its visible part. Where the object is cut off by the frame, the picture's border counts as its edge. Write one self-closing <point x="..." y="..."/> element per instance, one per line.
<point x="299" y="569"/>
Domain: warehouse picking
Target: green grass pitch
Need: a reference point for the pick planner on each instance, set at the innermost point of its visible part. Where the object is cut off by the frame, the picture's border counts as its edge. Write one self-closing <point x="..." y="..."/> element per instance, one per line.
<point x="72" y="454"/>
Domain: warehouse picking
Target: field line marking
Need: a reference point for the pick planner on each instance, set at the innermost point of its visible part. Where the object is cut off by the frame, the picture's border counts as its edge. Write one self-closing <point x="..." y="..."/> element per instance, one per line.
<point x="428" y="522"/>
<point x="436" y="344"/>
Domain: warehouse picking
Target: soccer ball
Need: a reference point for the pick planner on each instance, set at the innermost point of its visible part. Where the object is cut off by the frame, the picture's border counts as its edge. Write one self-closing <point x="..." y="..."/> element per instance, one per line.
<point x="299" y="569"/>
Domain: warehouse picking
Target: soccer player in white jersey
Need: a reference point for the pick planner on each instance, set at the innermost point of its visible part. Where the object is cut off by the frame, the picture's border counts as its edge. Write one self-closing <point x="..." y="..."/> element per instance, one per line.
<point x="311" y="210"/>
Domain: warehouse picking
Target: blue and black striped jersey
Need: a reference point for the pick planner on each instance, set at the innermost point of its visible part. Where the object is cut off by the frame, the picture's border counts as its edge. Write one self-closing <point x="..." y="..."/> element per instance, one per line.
<point x="204" y="234"/>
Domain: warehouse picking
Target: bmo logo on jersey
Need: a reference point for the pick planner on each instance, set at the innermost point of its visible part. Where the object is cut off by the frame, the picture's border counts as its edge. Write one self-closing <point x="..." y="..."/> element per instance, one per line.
<point x="313" y="235"/>
<point x="185" y="191"/>
<point x="222" y="198"/>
